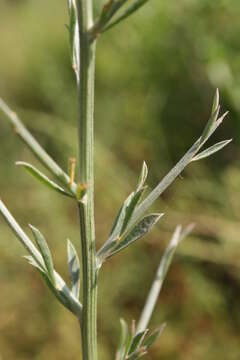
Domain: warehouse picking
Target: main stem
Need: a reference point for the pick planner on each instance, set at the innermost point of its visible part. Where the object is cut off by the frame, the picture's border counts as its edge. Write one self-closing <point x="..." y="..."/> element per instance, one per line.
<point x="86" y="167"/>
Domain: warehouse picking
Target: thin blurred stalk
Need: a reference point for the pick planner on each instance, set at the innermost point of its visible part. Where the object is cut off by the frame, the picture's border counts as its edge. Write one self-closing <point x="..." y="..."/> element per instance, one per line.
<point x="86" y="206"/>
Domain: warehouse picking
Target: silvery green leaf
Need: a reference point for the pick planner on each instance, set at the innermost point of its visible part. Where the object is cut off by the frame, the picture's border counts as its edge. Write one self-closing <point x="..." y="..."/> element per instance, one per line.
<point x="143" y="176"/>
<point x="74" y="269"/>
<point x="141" y="229"/>
<point x="117" y="225"/>
<point x="130" y="207"/>
<point x="213" y="117"/>
<point x="211" y="150"/>
<point x="124" y="341"/>
<point x="33" y="262"/>
<point x="43" y="178"/>
<point x="153" y="337"/>
<point x="137" y="341"/>
<point x="46" y="254"/>
<point x="215" y="104"/>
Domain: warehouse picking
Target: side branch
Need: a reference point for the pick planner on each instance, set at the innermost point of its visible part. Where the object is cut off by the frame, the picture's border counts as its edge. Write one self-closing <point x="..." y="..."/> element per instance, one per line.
<point x="35" y="147"/>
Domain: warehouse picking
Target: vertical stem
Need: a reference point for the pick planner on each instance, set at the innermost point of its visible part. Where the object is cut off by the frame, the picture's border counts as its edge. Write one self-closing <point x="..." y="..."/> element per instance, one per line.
<point x="86" y="206"/>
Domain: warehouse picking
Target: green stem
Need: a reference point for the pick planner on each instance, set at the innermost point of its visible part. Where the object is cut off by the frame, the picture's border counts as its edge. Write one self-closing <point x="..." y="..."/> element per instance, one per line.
<point x="86" y="206"/>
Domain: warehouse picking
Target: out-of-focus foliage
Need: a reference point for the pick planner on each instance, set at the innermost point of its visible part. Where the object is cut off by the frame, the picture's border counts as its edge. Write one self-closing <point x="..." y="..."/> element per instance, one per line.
<point x="156" y="75"/>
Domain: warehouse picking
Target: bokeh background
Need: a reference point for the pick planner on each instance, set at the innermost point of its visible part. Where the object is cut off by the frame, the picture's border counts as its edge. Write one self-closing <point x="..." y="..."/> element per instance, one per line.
<point x="156" y="76"/>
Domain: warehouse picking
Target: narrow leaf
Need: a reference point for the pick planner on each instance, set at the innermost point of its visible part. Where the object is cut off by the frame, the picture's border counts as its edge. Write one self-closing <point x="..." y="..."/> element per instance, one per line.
<point x="137" y="341"/>
<point x="210" y="124"/>
<point x="33" y="262"/>
<point x="123" y="342"/>
<point x="215" y="104"/>
<point x="129" y="11"/>
<point x="43" y="178"/>
<point x="211" y="150"/>
<point x="118" y="222"/>
<point x="143" y="176"/>
<point x="130" y="207"/>
<point x="46" y="254"/>
<point x="141" y="229"/>
<point x="74" y="269"/>
<point x="153" y="337"/>
<point x="213" y="118"/>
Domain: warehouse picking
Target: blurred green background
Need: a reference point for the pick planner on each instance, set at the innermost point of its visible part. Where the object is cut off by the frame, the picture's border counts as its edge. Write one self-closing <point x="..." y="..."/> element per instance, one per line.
<point x="156" y="76"/>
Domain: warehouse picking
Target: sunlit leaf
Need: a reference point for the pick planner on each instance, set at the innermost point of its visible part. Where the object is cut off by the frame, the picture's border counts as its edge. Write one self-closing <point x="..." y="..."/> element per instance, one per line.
<point x="43" y="178"/>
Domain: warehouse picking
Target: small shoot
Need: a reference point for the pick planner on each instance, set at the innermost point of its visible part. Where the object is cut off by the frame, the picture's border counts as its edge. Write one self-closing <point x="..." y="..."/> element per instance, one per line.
<point x="74" y="269"/>
<point x="209" y="129"/>
<point x="43" y="178"/>
<point x="133" y="346"/>
<point x="45" y="252"/>
<point x="120" y="226"/>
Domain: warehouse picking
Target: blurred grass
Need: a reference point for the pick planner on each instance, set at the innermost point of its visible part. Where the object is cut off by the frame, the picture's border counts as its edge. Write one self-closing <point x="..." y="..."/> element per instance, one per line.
<point x="156" y="75"/>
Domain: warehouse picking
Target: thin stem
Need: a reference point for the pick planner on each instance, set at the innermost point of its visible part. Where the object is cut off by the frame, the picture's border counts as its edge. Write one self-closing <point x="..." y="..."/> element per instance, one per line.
<point x="35" y="147"/>
<point x="86" y="206"/>
<point x="160" y="276"/>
